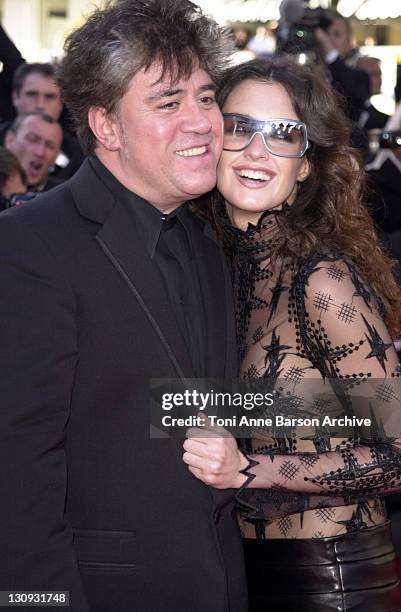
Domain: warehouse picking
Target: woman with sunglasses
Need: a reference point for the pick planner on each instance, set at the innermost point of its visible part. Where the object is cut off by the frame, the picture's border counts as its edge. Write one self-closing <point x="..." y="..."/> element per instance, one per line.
<point x="316" y="304"/>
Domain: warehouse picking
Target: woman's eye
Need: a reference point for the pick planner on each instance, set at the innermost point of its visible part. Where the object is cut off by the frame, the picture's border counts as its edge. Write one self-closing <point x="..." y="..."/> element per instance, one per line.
<point x="280" y="136"/>
<point x="243" y="128"/>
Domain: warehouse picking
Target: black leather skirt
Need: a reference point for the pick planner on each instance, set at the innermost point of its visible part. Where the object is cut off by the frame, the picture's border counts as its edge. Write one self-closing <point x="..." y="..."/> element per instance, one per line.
<point x="353" y="572"/>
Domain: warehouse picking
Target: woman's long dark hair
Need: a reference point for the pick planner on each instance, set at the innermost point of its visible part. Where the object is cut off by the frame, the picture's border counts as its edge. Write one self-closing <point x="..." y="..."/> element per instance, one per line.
<point x="329" y="212"/>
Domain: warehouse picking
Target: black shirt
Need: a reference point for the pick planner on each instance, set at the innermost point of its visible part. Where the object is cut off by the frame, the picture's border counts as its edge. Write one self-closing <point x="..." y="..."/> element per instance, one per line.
<point x="167" y="241"/>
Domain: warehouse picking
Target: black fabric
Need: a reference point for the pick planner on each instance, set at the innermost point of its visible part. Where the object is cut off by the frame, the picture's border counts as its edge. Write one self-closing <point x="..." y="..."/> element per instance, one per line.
<point x="168" y="239"/>
<point x="385" y="196"/>
<point x="348" y="572"/>
<point x="11" y="58"/>
<point x="95" y="506"/>
<point x="351" y="83"/>
<point x="374" y="120"/>
<point x="315" y="332"/>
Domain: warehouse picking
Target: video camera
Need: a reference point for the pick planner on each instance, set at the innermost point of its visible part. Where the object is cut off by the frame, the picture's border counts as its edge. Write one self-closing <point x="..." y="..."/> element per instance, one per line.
<point x="296" y="30"/>
<point x="383" y="139"/>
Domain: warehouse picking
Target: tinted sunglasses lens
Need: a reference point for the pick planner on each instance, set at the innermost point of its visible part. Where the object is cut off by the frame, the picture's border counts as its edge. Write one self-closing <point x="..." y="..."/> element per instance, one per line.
<point x="285" y="139"/>
<point x="237" y="133"/>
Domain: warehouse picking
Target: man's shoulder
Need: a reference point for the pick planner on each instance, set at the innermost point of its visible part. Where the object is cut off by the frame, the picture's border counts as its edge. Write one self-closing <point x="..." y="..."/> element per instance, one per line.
<point x="46" y="212"/>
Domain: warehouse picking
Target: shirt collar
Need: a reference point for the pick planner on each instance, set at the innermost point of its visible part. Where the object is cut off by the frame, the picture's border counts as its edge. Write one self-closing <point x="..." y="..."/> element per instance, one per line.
<point x="148" y="218"/>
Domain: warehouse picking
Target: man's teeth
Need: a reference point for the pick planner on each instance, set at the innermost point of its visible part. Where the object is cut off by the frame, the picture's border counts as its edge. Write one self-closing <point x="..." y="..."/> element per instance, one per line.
<point x="192" y="152"/>
<point x="258" y="175"/>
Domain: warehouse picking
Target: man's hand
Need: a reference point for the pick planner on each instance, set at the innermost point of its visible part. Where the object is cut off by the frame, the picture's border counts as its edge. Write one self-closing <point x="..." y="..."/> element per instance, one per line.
<point x="213" y="456"/>
<point x="324" y="42"/>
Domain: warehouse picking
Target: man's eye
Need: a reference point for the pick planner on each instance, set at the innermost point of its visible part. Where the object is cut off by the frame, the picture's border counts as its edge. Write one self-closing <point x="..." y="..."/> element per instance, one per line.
<point x="169" y="105"/>
<point x="208" y="100"/>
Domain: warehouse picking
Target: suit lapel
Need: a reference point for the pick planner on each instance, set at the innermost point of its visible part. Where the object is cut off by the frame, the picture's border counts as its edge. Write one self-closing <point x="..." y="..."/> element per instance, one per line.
<point x="120" y="243"/>
<point x="217" y="297"/>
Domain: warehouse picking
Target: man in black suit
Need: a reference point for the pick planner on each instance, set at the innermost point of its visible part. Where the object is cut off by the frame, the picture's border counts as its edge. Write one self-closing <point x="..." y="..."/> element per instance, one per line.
<point x="371" y="118"/>
<point x="106" y="282"/>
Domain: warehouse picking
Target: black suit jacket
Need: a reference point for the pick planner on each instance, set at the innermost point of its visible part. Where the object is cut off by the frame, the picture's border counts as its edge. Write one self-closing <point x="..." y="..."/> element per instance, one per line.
<point x="351" y="83"/>
<point x="11" y="58"/>
<point x="93" y="505"/>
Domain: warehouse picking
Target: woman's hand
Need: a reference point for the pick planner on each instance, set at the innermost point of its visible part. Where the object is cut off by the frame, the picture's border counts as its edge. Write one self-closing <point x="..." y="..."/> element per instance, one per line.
<point x="213" y="456"/>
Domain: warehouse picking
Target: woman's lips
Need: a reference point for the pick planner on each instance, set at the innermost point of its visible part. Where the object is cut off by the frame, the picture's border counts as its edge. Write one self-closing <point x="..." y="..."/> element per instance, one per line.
<point x="254" y="177"/>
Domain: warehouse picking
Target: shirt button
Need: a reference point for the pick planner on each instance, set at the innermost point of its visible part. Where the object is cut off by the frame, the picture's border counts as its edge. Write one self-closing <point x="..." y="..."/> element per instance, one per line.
<point x="216" y="515"/>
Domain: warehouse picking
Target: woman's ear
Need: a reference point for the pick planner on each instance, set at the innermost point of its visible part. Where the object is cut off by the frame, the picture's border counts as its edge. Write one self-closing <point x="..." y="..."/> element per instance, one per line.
<point x="304" y="170"/>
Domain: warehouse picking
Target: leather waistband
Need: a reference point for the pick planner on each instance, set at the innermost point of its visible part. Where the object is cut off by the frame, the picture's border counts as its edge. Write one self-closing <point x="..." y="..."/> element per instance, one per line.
<point x="352" y="571"/>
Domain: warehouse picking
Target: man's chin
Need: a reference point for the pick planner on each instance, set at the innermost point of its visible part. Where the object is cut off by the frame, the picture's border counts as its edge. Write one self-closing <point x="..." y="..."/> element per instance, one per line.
<point x="195" y="191"/>
<point x="34" y="181"/>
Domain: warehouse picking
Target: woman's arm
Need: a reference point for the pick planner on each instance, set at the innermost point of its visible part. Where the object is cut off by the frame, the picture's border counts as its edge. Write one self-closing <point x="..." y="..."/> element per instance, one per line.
<point x="342" y="332"/>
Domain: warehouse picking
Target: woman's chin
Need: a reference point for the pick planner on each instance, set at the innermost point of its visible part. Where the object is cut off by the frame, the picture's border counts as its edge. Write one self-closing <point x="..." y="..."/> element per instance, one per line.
<point x="241" y="217"/>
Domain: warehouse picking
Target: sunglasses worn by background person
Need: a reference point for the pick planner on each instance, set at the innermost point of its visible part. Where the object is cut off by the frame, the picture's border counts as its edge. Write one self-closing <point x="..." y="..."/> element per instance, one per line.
<point x="282" y="137"/>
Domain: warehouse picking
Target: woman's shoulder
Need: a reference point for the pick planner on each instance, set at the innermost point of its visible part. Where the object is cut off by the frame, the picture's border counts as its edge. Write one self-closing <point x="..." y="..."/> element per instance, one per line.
<point x="326" y="277"/>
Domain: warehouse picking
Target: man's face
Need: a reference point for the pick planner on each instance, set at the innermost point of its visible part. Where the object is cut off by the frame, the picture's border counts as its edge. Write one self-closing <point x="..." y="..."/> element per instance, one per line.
<point x="38" y="92"/>
<point x="339" y="36"/>
<point x="372" y="67"/>
<point x="36" y="144"/>
<point x="169" y="138"/>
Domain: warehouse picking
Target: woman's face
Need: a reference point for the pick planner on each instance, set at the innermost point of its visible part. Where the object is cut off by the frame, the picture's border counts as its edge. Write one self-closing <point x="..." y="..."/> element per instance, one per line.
<point x="247" y="198"/>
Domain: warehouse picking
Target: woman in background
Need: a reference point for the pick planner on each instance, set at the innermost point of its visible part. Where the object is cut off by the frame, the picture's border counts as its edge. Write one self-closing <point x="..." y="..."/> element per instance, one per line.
<point x="316" y="301"/>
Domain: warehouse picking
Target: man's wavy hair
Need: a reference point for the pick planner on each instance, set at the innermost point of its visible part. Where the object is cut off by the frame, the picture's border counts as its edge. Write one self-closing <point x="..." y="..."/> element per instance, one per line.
<point x="329" y="213"/>
<point x="125" y="36"/>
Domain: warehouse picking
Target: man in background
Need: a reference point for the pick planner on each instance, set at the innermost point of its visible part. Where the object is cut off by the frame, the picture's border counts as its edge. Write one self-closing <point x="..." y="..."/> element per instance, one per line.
<point x="340" y="34"/>
<point x="339" y="55"/>
<point x="371" y="118"/>
<point x="35" y="139"/>
<point x="35" y="89"/>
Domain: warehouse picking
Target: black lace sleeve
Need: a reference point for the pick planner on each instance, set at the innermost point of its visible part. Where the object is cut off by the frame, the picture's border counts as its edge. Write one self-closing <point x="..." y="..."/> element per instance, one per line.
<point x="331" y="333"/>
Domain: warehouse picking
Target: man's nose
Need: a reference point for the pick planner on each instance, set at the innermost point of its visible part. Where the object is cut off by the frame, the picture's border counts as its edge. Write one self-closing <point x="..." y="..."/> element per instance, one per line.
<point x="41" y="103"/>
<point x="40" y="149"/>
<point x="196" y="119"/>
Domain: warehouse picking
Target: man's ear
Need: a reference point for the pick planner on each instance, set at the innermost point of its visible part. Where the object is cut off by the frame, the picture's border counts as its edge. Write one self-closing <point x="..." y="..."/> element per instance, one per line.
<point x="104" y="128"/>
<point x="15" y="97"/>
<point x="9" y="140"/>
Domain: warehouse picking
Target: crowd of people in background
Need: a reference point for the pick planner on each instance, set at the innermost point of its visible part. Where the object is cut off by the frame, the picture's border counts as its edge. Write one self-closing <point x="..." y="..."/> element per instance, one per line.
<point x="34" y="125"/>
<point x="39" y="149"/>
<point x="47" y="148"/>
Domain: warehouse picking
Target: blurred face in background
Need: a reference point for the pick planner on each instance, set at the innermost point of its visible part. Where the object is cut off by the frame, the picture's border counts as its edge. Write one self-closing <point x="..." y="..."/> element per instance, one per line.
<point x="371" y="65"/>
<point x="339" y="35"/>
<point x="38" y="92"/>
<point x="36" y="144"/>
